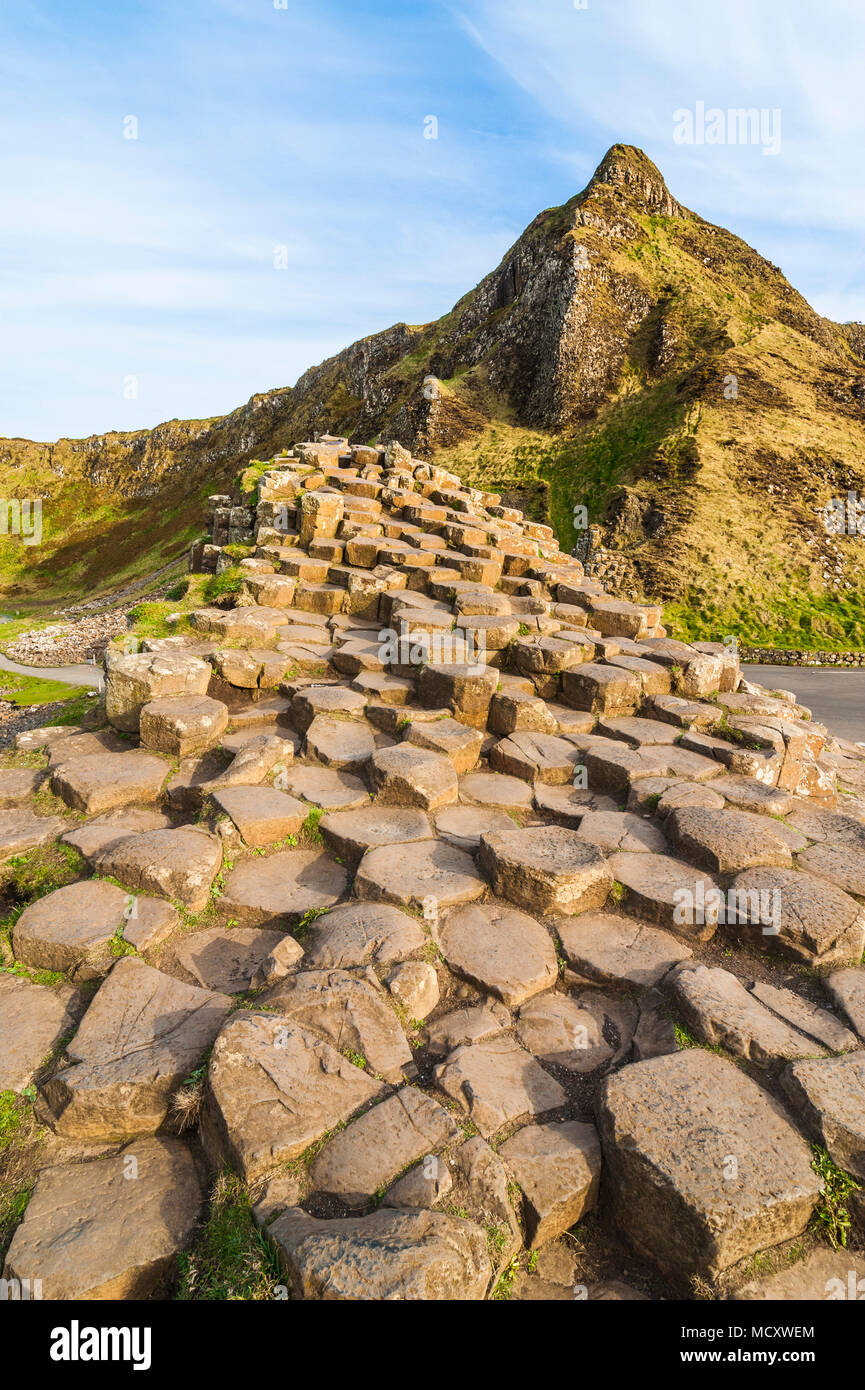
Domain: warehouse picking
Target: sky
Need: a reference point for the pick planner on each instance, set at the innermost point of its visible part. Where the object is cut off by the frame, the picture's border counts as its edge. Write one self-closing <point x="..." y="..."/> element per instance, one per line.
<point x="199" y="199"/>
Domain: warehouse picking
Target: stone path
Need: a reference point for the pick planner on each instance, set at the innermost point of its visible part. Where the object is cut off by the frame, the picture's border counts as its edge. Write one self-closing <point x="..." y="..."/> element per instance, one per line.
<point x="447" y="901"/>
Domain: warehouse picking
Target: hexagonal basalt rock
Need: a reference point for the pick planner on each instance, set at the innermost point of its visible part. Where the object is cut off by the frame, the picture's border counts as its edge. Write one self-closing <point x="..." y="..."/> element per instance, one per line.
<point x="278" y="890"/>
<point x="457" y="742"/>
<point x="183" y="724"/>
<point x="546" y="869"/>
<point x="719" y="1010"/>
<point x="350" y="1010"/>
<point x="830" y="1096"/>
<point x="409" y="776"/>
<point x="74" y="928"/>
<point x="496" y="1082"/>
<point x="702" y="1167"/>
<point x="176" y="863"/>
<point x="536" y="758"/>
<point x="349" y="834"/>
<point x="139" y="1040"/>
<point x="609" y="948"/>
<point x="668" y="893"/>
<point x="344" y="744"/>
<point x="573" y="1032"/>
<point x="558" y="1168"/>
<point x="381" y="1144"/>
<point x="621" y="830"/>
<point x="133" y="681"/>
<point x="263" y="815"/>
<point x="428" y="875"/>
<point x="495" y="789"/>
<point x="725" y="842"/>
<point x="20" y="831"/>
<point x="109" y="1229"/>
<point x="499" y="949"/>
<point x="465" y="690"/>
<point x="843" y="865"/>
<point x="463" y="826"/>
<point x="792" y="912"/>
<point x="362" y="933"/>
<point x="226" y="960"/>
<point x="33" y="1019"/>
<point x="273" y="1089"/>
<point x="102" y="781"/>
<point x="103" y="830"/>
<point x="388" y="1255"/>
<point x="322" y="786"/>
<point x="847" y="989"/>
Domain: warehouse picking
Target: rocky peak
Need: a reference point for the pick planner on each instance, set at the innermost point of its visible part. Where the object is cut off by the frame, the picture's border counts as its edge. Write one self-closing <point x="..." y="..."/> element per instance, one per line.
<point x="634" y="176"/>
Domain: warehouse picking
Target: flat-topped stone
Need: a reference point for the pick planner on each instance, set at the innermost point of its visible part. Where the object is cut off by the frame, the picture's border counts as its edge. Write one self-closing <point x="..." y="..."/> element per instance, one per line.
<point x="702" y="1168"/>
<point x="322" y="786"/>
<point x="428" y="875"/>
<point x="725" y="842"/>
<point x="496" y="1082"/>
<point x="102" y="781"/>
<point x="273" y="1089"/>
<point x="278" y="890"/>
<point x="495" y="789"/>
<point x="499" y="949"/>
<point x="463" y="826"/>
<point x="847" y="989"/>
<point x="721" y="1012"/>
<point x="132" y="681"/>
<point x="608" y="948"/>
<point x="142" y="1036"/>
<point x="380" y="1145"/>
<point x="830" y="1096"/>
<point x="362" y="933"/>
<point x="178" y="864"/>
<point x="33" y="1019"/>
<point x="115" y="825"/>
<point x="668" y="893"/>
<point x="349" y="834"/>
<point x="20" y="831"/>
<point x="792" y="912"/>
<point x="70" y="1236"/>
<point x="74" y="929"/>
<point x="181" y="725"/>
<point x="558" y="1168"/>
<point x="226" y="960"/>
<point x="545" y="869"/>
<point x="389" y="1255"/>
<point x="408" y="776"/>
<point x="621" y="830"/>
<point x="350" y="1010"/>
<point x="263" y="815"/>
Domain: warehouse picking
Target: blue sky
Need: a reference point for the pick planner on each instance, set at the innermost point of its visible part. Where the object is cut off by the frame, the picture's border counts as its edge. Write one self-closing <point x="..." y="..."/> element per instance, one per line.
<point x="137" y="276"/>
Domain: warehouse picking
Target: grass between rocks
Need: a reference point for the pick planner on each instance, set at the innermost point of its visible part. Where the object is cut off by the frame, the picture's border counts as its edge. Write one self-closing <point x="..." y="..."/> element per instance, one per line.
<point x="20" y="1138"/>
<point x="831" y="1218"/>
<point x="231" y="1259"/>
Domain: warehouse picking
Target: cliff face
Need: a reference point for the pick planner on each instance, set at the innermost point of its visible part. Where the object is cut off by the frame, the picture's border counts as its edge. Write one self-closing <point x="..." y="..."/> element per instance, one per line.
<point x="625" y="356"/>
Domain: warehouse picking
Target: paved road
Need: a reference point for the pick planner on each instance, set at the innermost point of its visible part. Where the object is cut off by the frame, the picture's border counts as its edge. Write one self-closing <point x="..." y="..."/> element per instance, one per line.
<point x="835" y="697"/>
<point x="70" y="675"/>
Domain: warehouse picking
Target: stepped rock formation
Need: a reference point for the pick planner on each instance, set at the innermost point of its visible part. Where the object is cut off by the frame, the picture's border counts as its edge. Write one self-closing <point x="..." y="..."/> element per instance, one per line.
<point x="419" y="845"/>
<point x="626" y="357"/>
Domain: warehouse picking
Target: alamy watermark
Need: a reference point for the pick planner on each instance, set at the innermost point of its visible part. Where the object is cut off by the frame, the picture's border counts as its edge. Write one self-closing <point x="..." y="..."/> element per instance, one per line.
<point x="700" y="905"/>
<point x="845" y="515"/>
<point x="21" y="517"/>
<point x="735" y="126"/>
